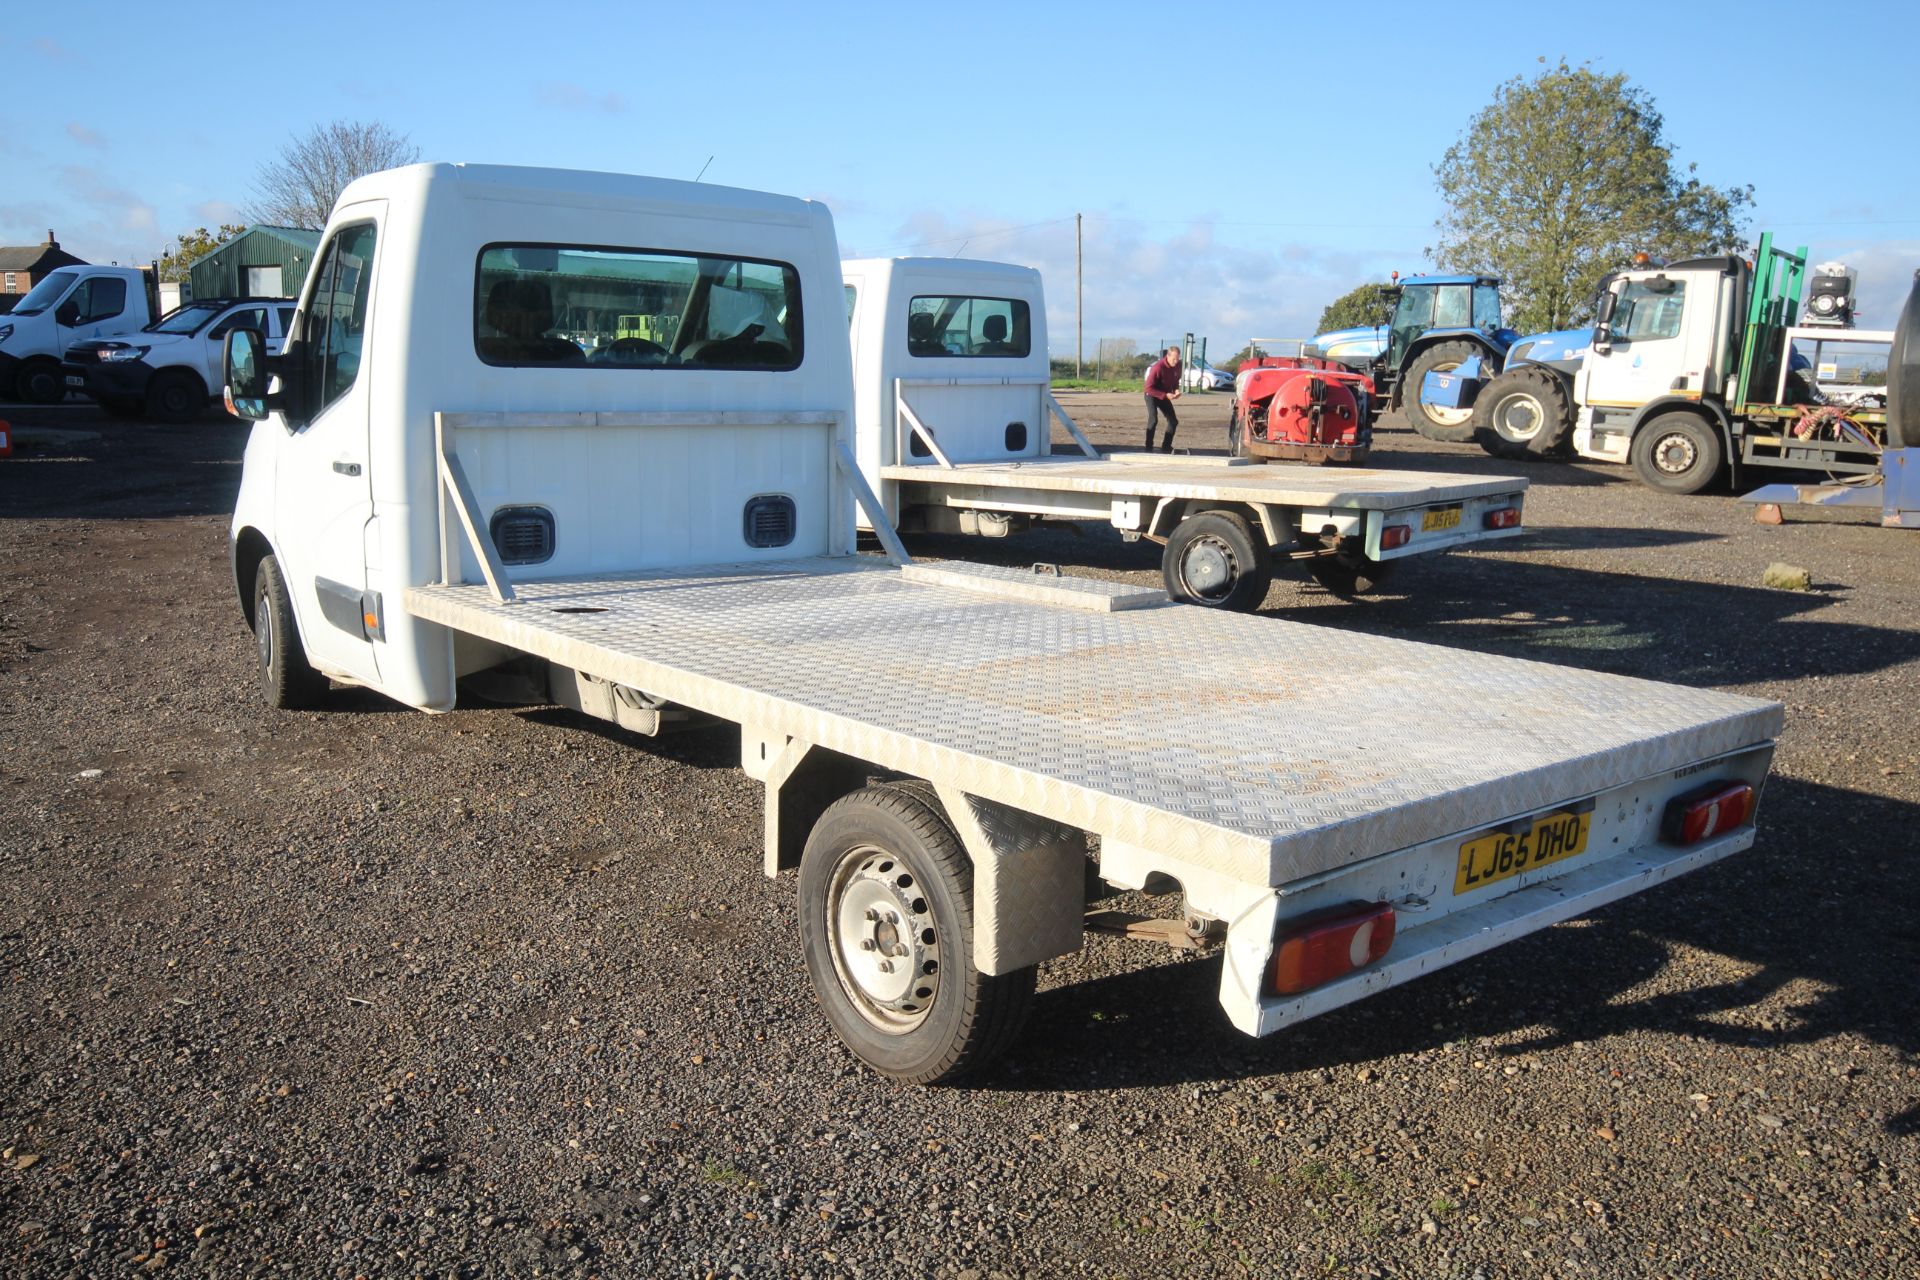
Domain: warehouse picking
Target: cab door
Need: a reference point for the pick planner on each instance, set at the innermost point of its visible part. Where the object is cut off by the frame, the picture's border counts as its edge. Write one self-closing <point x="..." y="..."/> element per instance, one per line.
<point x="1648" y="349"/>
<point x="323" y="494"/>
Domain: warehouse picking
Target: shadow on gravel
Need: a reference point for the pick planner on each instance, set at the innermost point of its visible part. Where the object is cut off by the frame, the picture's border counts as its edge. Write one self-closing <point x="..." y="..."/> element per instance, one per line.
<point x="709" y="747"/>
<point x="1776" y="934"/>
<point x="1688" y="632"/>
<point x="131" y="471"/>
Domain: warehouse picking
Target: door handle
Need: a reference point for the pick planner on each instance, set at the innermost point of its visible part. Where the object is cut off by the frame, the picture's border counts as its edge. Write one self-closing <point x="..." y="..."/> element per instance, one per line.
<point x="347" y="468"/>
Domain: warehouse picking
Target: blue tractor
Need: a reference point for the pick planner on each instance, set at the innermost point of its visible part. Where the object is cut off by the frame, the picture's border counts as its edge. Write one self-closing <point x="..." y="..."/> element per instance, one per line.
<point x="1527" y="411"/>
<point x="1439" y="324"/>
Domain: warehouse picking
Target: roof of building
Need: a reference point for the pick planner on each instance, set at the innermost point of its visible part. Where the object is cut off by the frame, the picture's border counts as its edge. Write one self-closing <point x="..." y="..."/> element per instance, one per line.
<point x="297" y="237"/>
<point x="37" y="258"/>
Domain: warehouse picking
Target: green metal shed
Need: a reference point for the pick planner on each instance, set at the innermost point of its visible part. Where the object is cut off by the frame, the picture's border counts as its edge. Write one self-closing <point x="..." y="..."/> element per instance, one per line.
<point x="261" y="262"/>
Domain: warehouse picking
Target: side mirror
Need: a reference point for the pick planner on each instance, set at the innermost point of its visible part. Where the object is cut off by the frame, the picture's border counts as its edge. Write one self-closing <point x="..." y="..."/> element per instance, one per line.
<point x="67" y="313"/>
<point x="246" y="367"/>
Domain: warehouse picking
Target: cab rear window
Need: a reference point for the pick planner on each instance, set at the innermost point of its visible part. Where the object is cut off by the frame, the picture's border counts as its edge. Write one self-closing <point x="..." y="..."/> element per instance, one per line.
<point x="543" y="305"/>
<point x="945" y="325"/>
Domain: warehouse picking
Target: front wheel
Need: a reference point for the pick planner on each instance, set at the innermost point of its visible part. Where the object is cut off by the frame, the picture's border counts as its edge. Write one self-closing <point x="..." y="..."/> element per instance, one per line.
<point x="1523" y="414"/>
<point x="175" y="396"/>
<point x="287" y="680"/>
<point x="1435" y="422"/>
<point x="886" y="925"/>
<point x="1215" y="559"/>
<point x="1677" y="453"/>
<point x="39" y="381"/>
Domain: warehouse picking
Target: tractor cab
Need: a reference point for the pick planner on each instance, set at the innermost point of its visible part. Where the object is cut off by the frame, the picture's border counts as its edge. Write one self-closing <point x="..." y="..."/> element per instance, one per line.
<point x="1441" y="302"/>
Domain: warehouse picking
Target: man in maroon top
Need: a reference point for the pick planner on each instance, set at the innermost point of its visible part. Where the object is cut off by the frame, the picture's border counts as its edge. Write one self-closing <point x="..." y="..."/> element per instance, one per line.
<point x="1163" y="388"/>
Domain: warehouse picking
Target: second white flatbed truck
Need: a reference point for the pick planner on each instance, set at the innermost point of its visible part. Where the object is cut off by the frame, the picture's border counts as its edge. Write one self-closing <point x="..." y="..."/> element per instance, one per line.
<point x="463" y="467"/>
<point x="954" y="420"/>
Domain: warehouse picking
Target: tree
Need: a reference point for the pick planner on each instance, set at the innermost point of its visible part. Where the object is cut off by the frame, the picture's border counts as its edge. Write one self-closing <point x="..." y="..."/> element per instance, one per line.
<point x="1564" y="178"/>
<point x="1368" y="304"/>
<point x="191" y="246"/>
<point x="299" y="188"/>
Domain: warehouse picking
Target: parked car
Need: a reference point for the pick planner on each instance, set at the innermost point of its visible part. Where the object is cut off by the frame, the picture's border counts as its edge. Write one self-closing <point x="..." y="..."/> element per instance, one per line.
<point x="1197" y="377"/>
<point x="171" y="369"/>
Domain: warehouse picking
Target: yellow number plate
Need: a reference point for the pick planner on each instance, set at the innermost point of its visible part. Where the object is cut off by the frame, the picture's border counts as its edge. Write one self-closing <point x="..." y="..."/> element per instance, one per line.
<point x="1441" y="518"/>
<point x="1505" y="854"/>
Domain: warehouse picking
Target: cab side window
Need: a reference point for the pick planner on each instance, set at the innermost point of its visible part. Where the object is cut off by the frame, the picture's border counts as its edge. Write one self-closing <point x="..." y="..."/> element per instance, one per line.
<point x="336" y="324"/>
<point x="1649" y="310"/>
<point x="101" y="298"/>
<point x="1452" y="307"/>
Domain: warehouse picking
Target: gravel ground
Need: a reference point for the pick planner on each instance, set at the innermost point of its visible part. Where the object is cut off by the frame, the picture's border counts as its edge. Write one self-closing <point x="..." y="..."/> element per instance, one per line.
<point x="366" y="992"/>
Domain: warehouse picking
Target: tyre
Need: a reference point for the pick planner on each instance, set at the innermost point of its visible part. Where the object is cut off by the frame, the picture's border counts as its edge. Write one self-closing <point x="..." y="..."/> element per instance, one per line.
<point x="1215" y="559"/>
<point x="1678" y="453"/>
<point x="1452" y="426"/>
<point x="175" y="395"/>
<point x="886" y="925"/>
<point x="1349" y="576"/>
<point x="1236" y="434"/>
<point x="1523" y="414"/>
<point x="287" y="681"/>
<point x="39" y="381"/>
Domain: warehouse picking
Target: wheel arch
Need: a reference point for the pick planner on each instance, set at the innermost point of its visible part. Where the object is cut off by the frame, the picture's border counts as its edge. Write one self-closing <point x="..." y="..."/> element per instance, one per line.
<point x="1710" y="412"/>
<point x="247" y="548"/>
<point x="1171" y="511"/>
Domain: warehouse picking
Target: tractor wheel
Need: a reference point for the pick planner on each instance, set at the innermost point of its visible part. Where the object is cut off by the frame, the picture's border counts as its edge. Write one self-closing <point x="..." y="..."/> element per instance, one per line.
<point x="886" y="926"/>
<point x="1450" y="426"/>
<point x="1215" y="559"/>
<point x="1236" y="434"/>
<point x="1523" y="414"/>
<point x="1677" y="453"/>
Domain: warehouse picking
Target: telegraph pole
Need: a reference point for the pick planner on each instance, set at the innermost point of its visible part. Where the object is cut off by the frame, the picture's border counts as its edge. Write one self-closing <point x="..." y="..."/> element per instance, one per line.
<point x="1079" y="314"/>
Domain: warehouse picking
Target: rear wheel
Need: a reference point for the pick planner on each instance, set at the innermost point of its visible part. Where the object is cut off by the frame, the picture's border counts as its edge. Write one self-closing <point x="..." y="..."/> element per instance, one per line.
<point x="1452" y="426"/>
<point x="1678" y="453"/>
<point x="287" y="680"/>
<point x="886" y="924"/>
<point x="1236" y="434"/>
<point x="39" y="381"/>
<point x="1215" y="559"/>
<point x="1523" y="414"/>
<point x="175" y="395"/>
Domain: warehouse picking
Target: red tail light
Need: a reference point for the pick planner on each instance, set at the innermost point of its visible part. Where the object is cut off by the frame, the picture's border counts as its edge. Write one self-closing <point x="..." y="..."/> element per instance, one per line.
<point x="1504" y="518"/>
<point x="1395" y="535"/>
<point x="1712" y="810"/>
<point x="1320" y="949"/>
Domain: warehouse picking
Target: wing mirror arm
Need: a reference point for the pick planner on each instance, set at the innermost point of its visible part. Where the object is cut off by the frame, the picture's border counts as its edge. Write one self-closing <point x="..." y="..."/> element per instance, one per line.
<point x="252" y="375"/>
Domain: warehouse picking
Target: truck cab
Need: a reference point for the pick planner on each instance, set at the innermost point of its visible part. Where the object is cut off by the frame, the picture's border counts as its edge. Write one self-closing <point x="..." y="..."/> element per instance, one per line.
<point x="70" y="305"/>
<point x="957" y="342"/>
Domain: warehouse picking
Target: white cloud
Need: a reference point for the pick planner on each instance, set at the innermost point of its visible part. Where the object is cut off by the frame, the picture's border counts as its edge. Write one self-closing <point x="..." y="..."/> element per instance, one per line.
<point x="1147" y="286"/>
<point x="1886" y="270"/>
<point x="84" y="136"/>
<point x="214" y="212"/>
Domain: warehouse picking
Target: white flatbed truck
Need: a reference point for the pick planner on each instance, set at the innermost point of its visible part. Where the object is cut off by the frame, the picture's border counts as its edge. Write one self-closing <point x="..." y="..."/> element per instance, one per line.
<point x="954" y="415"/>
<point x="445" y="480"/>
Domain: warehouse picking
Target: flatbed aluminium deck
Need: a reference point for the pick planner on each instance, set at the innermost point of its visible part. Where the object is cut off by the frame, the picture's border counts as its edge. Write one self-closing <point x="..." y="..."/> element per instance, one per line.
<point x="1218" y="478"/>
<point x="1141" y="722"/>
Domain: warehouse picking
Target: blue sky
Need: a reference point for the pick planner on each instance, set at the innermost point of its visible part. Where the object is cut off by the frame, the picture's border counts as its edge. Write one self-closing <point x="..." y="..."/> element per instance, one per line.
<point x="1238" y="168"/>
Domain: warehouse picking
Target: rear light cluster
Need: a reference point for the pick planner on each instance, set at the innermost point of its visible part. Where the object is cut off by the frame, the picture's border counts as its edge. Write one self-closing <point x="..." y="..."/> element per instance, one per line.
<point x="1323" y="947"/>
<point x="1395" y="535"/>
<point x="1504" y="518"/>
<point x="1712" y="810"/>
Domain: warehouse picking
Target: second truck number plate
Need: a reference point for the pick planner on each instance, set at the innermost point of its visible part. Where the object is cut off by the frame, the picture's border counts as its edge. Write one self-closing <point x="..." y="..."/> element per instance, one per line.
<point x="1502" y="855"/>
<point x="1440" y="518"/>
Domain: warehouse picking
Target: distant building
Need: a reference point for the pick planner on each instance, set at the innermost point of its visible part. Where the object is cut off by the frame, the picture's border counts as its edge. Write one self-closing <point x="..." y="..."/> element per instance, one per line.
<point x="22" y="268"/>
<point x="260" y="262"/>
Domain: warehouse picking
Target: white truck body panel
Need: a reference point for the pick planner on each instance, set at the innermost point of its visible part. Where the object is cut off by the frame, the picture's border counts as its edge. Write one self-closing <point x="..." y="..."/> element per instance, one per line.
<point x="1040" y="710"/>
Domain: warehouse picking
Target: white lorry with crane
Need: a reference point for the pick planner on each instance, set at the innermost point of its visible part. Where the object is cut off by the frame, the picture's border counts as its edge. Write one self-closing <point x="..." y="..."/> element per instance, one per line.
<point x="441" y="486"/>
<point x="954" y="414"/>
<point x="1692" y="369"/>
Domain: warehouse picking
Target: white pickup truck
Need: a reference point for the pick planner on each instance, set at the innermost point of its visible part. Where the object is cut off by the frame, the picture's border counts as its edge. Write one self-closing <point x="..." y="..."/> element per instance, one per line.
<point x="954" y="413"/>
<point x="69" y="305"/>
<point x="469" y="464"/>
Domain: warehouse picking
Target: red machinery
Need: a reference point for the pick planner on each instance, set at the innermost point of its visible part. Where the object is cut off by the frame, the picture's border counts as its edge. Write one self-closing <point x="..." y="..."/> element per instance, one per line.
<point x="1300" y="409"/>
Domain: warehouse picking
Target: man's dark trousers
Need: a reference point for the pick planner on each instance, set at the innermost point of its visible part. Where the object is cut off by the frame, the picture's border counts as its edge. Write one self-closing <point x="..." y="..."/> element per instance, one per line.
<point x="1155" y="407"/>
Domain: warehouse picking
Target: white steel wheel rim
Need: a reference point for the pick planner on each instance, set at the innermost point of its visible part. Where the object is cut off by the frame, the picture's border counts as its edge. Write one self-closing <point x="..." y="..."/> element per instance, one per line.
<point x="263" y="628"/>
<point x="885" y="946"/>
<point x="1674" y="453"/>
<point x="1207" y="567"/>
<point x="1444" y="416"/>
<point x="1519" y="418"/>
